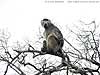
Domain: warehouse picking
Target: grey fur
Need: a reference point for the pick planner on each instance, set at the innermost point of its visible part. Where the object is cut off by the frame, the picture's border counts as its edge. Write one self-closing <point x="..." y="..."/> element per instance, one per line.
<point x="53" y="36"/>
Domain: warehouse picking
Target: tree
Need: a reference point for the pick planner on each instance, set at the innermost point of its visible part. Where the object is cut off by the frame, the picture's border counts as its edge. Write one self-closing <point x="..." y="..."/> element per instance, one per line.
<point x="82" y="55"/>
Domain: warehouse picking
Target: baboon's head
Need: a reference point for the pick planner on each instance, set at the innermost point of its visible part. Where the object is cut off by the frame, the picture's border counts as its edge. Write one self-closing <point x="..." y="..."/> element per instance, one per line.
<point x="46" y="23"/>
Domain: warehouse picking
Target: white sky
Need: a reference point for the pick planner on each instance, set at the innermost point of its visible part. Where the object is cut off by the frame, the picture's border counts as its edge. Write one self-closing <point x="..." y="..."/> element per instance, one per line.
<point x="22" y="17"/>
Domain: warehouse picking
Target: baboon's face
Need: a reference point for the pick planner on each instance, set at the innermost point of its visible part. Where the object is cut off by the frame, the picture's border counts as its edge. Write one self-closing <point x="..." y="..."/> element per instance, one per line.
<point x="45" y="23"/>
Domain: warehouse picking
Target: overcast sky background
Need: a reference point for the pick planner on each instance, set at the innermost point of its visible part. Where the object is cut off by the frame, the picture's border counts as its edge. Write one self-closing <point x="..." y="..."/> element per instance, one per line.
<point x="22" y="17"/>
